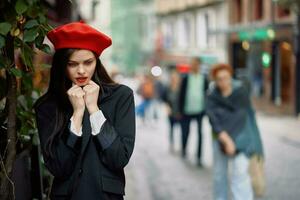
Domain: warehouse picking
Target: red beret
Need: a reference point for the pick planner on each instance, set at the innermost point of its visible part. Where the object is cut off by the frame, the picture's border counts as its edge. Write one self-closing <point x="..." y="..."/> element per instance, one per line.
<point x="79" y="35"/>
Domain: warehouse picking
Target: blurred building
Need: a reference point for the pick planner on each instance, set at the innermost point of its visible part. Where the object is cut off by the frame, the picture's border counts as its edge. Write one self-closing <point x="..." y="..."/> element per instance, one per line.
<point x="62" y="11"/>
<point x="261" y="50"/>
<point x="189" y="28"/>
<point x="133" y="30"/>
<point x="97" y="13"/>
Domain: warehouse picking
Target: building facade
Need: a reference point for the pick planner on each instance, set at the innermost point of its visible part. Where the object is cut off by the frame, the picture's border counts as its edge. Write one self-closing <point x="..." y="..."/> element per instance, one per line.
<point x="261" y="50"/>
<point x="189" y="29"/>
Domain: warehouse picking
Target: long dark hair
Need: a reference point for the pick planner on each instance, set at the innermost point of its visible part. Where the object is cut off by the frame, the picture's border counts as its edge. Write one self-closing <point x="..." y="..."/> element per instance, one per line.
<point x="57" y="91"/>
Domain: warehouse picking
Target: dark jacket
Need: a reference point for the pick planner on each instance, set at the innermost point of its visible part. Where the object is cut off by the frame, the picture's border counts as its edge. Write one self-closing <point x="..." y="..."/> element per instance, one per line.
<point x="171" y="98"/>
<point x="228" y="113"/>
<point x="183" y="92"/>
<point x="91" y="167"/>
<point x="235" y="115"/>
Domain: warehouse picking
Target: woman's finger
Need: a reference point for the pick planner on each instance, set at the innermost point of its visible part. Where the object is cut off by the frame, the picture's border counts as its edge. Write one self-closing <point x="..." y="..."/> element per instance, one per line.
<point x="92" y="82"/>
<point x="74" y="86"/>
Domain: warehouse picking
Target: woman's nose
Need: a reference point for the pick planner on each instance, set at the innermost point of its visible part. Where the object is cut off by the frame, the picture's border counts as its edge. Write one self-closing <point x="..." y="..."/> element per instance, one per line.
<point x="81" y="69"/>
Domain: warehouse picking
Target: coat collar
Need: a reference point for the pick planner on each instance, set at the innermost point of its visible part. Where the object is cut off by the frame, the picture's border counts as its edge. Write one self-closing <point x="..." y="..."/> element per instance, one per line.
<point x="106" y="90"/>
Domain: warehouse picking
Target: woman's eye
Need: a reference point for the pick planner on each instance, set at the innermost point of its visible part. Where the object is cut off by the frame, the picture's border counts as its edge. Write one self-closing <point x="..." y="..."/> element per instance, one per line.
<point x="72" y="64"/>
<point x="88" y="62"/>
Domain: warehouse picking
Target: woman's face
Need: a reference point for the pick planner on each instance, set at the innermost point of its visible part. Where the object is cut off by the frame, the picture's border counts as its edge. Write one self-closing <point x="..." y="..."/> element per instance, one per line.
<point x="223" y="80"/>
<point x="81" y="67"/>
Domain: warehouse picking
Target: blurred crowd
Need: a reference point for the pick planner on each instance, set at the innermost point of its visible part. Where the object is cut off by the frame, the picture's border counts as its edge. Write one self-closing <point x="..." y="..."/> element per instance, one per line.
<point x="225" y="100"/>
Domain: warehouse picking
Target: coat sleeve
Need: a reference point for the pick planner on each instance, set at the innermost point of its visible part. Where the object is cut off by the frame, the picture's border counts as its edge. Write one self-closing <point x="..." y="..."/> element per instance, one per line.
<point x="64" y="149"/>
<point x="182" y="93"/>
<point x="213" y="118"/>
<point x="117" y="141"/>
<point x="206" y="84"/>
<point x="244" y="98"/>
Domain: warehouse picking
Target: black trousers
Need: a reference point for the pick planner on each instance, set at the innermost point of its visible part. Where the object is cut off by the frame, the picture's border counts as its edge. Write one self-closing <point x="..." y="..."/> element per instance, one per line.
<point x="185" y="131"/>
<point x="172" y="121"/>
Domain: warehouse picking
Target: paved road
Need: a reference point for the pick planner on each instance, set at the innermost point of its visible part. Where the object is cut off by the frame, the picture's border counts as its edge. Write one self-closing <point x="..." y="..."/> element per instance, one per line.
<point x="156" y="174"/>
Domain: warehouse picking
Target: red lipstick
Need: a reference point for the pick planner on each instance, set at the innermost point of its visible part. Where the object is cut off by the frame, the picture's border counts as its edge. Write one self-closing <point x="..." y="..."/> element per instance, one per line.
<point x="81" y="79"/>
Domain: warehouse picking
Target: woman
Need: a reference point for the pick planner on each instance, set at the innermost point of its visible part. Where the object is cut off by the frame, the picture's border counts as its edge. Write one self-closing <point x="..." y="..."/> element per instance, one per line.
<point x="86" y="122"/>
<point x="227" y="108"/>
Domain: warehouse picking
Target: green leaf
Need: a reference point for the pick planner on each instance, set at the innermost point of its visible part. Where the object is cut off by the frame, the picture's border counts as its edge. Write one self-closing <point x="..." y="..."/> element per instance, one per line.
<point x="31" y="23"/>
<point x="21" y="7"/>
<point x="16" y="72"/>
<point x="48" y="27"/>
<point x="4" y="28"/>
<point x="30" y="35"/>
<point x="42" y="19"/>
<point x="45" y="48"/>
<point x="2" y="41"/>
<point x="39" y="41"/>
<point x="33" y="11"/>
<point x="27" y="84"/>
<point x="27" y="55"/>
<point x="32" y="2"/>
<point x="4" y="61"/>
<point x="18" y="42"/>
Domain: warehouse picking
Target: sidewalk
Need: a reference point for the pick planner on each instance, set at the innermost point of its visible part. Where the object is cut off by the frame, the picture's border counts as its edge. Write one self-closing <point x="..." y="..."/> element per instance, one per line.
<point x="285" y="126"/>
<point x="155" y="174"/>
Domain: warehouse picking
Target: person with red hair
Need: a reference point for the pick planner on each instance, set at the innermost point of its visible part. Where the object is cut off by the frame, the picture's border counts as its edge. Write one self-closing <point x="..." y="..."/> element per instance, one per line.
<point x="227" y="106"/>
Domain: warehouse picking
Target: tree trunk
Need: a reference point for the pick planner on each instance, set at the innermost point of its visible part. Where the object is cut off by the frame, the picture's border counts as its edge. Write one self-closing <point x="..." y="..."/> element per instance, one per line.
<point x="7" y="160"/>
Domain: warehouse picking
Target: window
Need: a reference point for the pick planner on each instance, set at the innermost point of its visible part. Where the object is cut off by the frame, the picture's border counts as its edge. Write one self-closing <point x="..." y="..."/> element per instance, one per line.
<point x="211" y="24"/>
<point x="184" y="32"/>
<point x="283" y="12"/>
<point x="201" y="30"/>
<point x="258" y="9"/>
<point x="238" y="10"/>
<point x="167" y="35"/>
<point x="187" y="28"/>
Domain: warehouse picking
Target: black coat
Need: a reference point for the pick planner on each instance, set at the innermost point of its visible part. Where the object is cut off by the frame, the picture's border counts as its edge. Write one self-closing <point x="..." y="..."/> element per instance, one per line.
<point x="91" y="167"/>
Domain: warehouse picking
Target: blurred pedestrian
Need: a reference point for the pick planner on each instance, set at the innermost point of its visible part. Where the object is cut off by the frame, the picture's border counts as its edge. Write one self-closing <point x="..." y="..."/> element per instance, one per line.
<point x="191" y="104"/>
<point x="85" y="121"/>
<point x="147" y="92"/>
<point x="159" y="91"/>
<point x="228" y="106"/>
<point x="171" y="99"/>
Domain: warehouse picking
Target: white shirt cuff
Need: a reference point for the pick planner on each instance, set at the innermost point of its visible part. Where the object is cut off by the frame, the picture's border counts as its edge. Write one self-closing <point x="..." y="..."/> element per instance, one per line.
<point x="97" y="119"/>
<point x="73" y="130"/>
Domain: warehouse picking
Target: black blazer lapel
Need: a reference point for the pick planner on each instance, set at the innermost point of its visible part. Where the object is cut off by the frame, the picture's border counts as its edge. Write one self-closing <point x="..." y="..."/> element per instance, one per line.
<point x="86" y="130"/>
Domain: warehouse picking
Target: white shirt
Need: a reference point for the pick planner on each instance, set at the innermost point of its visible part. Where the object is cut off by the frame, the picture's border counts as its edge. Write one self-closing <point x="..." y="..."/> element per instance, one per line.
<point x="97" y="119"/>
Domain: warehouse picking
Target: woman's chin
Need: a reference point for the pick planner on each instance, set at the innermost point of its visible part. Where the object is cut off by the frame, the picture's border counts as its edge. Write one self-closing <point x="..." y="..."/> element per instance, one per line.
<point x="81" y="84"/>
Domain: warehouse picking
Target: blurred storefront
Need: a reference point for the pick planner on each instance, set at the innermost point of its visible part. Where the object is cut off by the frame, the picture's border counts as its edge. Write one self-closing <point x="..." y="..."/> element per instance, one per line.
<point x="261" y="51"/>
<point x="184" y="31"/>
